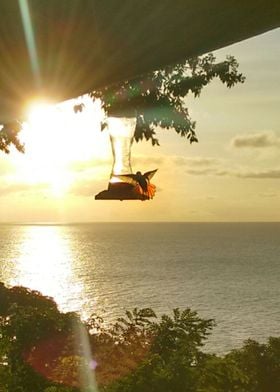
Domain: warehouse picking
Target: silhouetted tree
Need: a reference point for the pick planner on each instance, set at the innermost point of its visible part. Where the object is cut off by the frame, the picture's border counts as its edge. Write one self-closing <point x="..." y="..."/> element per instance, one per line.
<point x="261" y="364"/>
<point x="41" y="350"/>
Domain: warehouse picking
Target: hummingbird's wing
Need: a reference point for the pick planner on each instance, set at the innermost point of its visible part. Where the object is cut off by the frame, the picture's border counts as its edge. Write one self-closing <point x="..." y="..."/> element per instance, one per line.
<point x="130" y="178"/>
<point x="150" y="174"/>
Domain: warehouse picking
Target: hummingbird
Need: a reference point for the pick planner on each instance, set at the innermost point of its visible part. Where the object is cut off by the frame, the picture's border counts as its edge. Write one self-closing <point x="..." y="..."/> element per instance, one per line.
<point x="138" y="178"/>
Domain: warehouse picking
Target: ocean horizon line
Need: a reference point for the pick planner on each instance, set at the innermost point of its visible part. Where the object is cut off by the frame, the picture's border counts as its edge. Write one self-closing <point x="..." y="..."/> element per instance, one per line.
<point x="70" y="223"/>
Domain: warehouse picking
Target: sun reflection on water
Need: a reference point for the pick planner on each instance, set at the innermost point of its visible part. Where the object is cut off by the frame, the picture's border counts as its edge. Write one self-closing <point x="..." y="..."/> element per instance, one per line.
<point x="45" y="263"/>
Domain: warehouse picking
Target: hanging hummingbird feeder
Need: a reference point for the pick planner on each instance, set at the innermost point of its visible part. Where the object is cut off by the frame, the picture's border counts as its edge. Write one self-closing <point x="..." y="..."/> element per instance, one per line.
<point x="123" y="183"/>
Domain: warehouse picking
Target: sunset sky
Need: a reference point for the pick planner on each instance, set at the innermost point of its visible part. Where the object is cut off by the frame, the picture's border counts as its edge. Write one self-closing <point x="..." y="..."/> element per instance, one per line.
<point x="232" y="174"/>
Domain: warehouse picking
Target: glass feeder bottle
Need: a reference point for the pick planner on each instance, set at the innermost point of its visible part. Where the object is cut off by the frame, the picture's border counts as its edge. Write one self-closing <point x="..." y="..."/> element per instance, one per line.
<point x="121" y="131"/>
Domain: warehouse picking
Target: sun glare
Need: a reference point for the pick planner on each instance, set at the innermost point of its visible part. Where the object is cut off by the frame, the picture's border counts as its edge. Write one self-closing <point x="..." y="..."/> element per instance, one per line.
<point x="54" y="137"/>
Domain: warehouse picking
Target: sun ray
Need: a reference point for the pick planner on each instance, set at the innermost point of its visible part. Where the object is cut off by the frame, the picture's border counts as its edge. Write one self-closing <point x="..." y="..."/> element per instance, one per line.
<point x="29" y="37"/>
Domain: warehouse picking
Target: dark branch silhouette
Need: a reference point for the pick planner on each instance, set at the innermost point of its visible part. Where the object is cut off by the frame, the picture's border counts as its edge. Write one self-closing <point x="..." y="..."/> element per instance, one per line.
<point x="158" y="99"/>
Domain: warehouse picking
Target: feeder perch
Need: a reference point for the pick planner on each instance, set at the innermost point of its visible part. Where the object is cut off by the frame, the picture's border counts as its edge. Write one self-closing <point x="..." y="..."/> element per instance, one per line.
<point x="123" y="184"/>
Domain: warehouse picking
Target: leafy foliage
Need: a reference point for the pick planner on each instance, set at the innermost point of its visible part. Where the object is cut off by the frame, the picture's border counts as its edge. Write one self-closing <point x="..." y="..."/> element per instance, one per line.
<point x="9" y="136"/>
<point x="27" y="320"/>
<point x="42" y="349"/>
<point x="159" y="98"/>
<point x="261" y="363"/>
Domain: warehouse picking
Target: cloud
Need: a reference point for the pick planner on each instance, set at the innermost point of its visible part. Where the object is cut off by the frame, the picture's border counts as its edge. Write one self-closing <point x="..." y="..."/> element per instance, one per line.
<point x="201" y="172"/>
<point x="240" y="173"/>
<point x="263" y="139"/>
<point x="196" y="161"/>
<point x="6" y="189"/>
<point x="148" y="160"/>
<point x="199" y="166"/>
<point x="268" y="194"/>
<point x="203" y="166"/>
<point x="80" y="166"/>
<point x="263" y="174"/>
<point x="87" y="187"/>
<point x="214" y="172"/>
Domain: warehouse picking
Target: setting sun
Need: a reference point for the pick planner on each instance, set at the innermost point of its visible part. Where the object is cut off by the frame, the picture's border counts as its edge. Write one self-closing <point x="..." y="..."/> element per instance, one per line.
<point x="55" y="137"/>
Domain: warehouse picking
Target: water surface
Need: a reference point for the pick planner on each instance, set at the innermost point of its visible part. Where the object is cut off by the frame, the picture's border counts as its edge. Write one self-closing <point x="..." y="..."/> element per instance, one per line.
<point x="226" y="271"/>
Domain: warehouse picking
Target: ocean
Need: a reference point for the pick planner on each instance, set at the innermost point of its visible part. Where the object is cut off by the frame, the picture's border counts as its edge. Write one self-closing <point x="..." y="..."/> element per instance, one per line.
<point x="226" y="271"/>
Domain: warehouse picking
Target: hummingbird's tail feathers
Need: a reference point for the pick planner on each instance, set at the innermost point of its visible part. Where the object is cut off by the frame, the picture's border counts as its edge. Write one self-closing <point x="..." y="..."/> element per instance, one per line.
<point x="148" y="194"/>
<point x="151" y="191"/>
